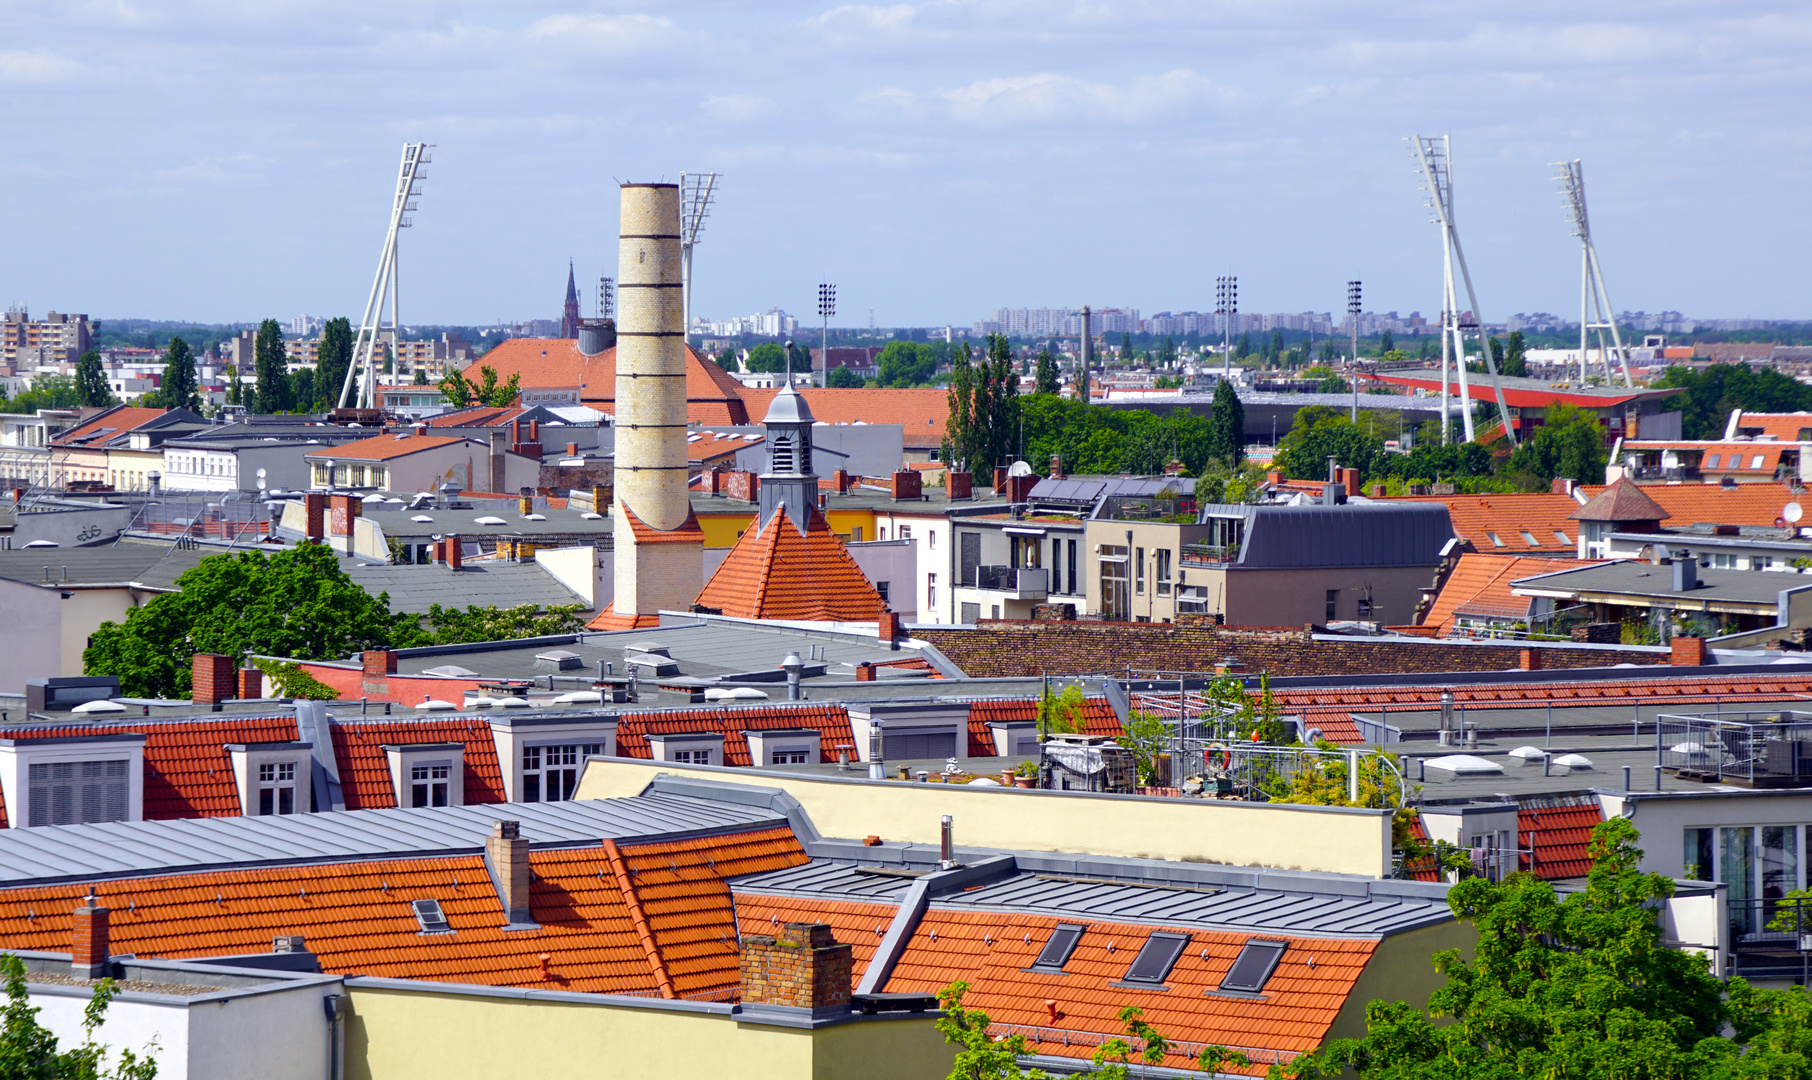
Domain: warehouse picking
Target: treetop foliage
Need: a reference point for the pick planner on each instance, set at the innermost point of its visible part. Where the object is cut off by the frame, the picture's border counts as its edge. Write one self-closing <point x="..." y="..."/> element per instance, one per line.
<point x="1714" y="392"/>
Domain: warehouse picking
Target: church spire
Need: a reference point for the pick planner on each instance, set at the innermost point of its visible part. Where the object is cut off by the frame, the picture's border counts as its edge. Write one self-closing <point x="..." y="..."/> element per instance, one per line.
<point x="569" y="316"/>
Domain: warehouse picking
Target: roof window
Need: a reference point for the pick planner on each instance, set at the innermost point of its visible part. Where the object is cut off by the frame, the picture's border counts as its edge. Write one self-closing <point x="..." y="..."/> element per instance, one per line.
<point x="1154" y="961"/>
<point x="1495" y="540"/>
<point x="1711" y="461"/>
<point x="433" y="920"/>
<point x="1562" y="537"/>
<point x="1058" y="947"/>
<point x="1529" y="538"/>
<point x="1253" y="966"/>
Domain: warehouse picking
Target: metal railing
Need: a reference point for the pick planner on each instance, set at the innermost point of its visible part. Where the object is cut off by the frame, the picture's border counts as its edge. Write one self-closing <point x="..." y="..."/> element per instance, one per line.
<point x="1021" y="581"/>
<point x="1771" y="937"/>
<point x="1764" y="749"/>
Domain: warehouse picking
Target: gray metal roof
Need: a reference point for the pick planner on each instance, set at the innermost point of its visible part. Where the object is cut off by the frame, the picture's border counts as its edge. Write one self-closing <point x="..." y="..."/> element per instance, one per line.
<point x="153" y="564"/>
<point x="398" y="522"/>
<point x="1636" y="577"/>
<point x="54" y="853"/>
<point x="414" y="588"/>
<point x="1125" y="890"/>
<point x="1352" y="534"/>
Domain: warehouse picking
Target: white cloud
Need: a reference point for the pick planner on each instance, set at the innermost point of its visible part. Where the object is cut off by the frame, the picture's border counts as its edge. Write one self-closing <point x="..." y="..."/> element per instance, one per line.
<point x="736" y="108"/>
<point x="25" y="68"/>
<point x="604" y="33"/>
<point x="1052" y="98"/>
<point x="866" y="19"/>
<point x="213" y="171"/>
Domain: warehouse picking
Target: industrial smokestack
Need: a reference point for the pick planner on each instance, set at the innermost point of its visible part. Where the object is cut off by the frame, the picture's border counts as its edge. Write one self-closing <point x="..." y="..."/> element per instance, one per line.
<point x="650" y="424"/>
<point x="1088" y="354"/>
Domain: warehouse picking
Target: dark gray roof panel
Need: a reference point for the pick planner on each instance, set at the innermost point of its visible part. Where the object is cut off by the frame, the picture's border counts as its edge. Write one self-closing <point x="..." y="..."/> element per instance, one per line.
<point x="125" y="849"/>
<point x="1353" y="534"/>
<point x="414" y="588"/>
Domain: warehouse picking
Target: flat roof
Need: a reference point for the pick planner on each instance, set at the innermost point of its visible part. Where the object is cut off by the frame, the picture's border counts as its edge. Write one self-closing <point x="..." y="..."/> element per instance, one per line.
<point x="1638" y="577"/>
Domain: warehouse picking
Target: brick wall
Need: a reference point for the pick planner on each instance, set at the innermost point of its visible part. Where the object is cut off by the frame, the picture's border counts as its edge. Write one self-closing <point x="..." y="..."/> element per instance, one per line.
<point x="959" y="485"/>
<point x="802" y="968"/>
<point x="314" y="507"/>
<point x="378" y="663"/>
<point x="251" y="683"/>
<point x="345" y="510"/>
<point x="90" y="945"/>
<point x="1027" y="649"/>
<point x="907" y="484"/>
<point x="742" y="485"/>
<point x="212" y="679"/>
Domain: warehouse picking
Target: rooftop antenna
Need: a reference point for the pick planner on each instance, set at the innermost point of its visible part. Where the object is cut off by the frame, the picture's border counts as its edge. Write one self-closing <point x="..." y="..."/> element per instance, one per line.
<point x="1593" y="299"/>
<point x="696" y="192"/>
<point x="364" y="348"/>
<point x="1434" y="157"/>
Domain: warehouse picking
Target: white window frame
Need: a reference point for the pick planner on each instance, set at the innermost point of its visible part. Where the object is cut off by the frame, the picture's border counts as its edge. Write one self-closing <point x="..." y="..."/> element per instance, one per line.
<point x="404" y="759"/>
<point x="764" y="745"/>
<point x="18" y="755"/>
<point x="667" y="747"/>
<point x="513" y="735"/>
<point x="249" y="762"/>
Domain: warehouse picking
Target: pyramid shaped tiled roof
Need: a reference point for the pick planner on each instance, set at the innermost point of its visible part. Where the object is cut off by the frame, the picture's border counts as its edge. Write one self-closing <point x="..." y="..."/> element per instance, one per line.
<point x="778" y="573"/>
<point x="1622" y="501"/>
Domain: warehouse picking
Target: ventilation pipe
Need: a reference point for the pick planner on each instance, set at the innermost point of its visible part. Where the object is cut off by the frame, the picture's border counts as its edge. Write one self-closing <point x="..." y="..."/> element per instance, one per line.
<point x="877" y="758"/>
<point x="1444" y="735"/>
<point x="792" y="665"/>
<point x="946" y="850"/>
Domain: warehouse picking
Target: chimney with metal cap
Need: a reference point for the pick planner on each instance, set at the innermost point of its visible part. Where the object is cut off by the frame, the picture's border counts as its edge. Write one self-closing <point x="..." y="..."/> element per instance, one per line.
<point x="89" y="950"/>
<point x="508" y="854"/>
<point x="792" y="665"/>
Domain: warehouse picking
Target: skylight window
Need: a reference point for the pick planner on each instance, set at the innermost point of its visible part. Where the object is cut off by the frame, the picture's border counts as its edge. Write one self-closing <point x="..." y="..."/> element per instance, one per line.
<point x="1562" y="537"/>
<point x="1058" y="948"/>
<point x="1155" y="959"/>
<point x="1529" y="538"/>
<point x="1495" y="540"/>
<point x="428" y="913"/>
<point x="1755" y="462"/>
<point x="1253" y="966"/>
<point x="1711" y="461"/>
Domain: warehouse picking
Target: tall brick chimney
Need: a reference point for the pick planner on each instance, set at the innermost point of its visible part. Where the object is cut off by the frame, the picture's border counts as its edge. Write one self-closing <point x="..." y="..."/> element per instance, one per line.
<point x="314" y="509"/>
<point x="801" y="968"/>
<point x="90" y="947"/>
<point x="507" y="852"/>
<point x="211" y="679"/>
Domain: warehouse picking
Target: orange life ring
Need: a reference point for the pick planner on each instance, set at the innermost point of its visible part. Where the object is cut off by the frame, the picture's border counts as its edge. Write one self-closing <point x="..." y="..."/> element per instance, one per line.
<point x="1226" y="756"/>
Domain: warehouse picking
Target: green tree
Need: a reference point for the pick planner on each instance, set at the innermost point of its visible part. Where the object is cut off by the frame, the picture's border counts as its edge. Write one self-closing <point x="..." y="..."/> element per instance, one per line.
<point x="296" y="603"/>
<point x="485" y="390"/>
<point x="456" y="389"/>
<point x="235" y="392"/>
<point x="1514" y="362"/>
<point x="905" y="363"/>
<point x="1243" y="347"/>
<point x="179" y="388"/>
<point x="730" y="359"/>
<point x="28" y="1051"/>
<point x="1274" y="350"/>
<point x="766" y="357"/>
<point x="1045" y="380"/>
<point x="47" y="392"/>
<point x="1167" y="352"/>
<point x="984" y="407"/>
<point x="421" y="376"/>
<point x="1318" y="433"/>
<point x="271" y="364"/>
<point x="333" y="358"/>
<point x="1333" y="384"/>
<point x="389" y="365"/>
<point x="1146" y="735"/>
<point x="1569" y="443"/>
<point x="1712" y="394"/>
<point x="1578" y="987"/>
<point x="1385" y="342"/>
<point x="842" y="378"/>
<point x="302" y="387"/>
<point x="454" y="625"/>
<point x="91" y="382"/>
<point x="1227" y="426"/>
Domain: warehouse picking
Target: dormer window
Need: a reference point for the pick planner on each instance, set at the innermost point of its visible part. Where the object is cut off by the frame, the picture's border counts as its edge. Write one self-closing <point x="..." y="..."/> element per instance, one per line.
<point x="427" y="774"/>
<point x="276" y="788"/>
<point x="72" y="781"/>
<point x="429" y="783"/>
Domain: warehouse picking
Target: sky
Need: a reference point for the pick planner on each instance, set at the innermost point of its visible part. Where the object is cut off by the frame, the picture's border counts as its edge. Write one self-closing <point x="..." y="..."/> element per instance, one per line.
<point x="229" y="160"/>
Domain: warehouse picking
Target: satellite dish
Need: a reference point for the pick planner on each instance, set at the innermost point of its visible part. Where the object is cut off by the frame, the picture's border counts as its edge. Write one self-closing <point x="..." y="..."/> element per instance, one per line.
<point x="260" y="474"/>
<point x="261" y="482"/>
<point x="1793" y="512"/>
<point x="1019" y="468"/>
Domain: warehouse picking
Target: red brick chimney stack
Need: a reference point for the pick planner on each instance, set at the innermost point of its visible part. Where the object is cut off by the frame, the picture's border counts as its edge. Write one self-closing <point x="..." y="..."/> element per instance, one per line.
<point x="211" y="679"/>
<point x="90" y="947"/>
<point x="801" y="968"/>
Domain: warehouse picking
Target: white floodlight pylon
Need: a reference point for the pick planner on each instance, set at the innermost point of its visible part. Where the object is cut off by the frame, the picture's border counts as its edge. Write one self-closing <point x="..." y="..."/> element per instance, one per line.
<point x="1433" y="155"/>
<point x="364" y="347"/>
<point x="1592" y="293"/>
<point x="696" y="192"/>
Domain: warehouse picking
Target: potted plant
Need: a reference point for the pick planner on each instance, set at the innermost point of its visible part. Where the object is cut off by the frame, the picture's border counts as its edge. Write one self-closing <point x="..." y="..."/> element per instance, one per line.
<point x="1026" y="775"/>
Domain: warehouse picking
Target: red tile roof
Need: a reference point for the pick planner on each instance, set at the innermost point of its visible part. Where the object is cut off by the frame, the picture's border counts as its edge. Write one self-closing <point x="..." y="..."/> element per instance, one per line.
<point x="116" y="421"/>
<point x="712" y="396"/>
<point x="187" y="773"/>
<point x="921" y="411"/>
<point x="1480" y="585"/>
<point x="992" y="950"/>
<point x="777" y="573"/>
<point x="712" y="446"/>
<point x="1787" y="427"/>
<point x="1424" y="868"/>
<point x="1496" y="522"/>
<point x="1622" y="501"/>
<point x="358" y="748"/>
<point x="357" y="916"/>
<point x="1714" y="504"/>
<point x="1557" y="839"/>
<point x="860" y="926"/>
<point x="385" y="447"/>
<point x="476" y="416"/>
<point x="1098" y="718"/>
<point x="830" y="721"/>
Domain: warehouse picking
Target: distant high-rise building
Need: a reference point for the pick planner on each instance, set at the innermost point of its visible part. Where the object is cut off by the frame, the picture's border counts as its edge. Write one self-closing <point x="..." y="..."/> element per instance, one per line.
<point x="569" y="316"/>
<point x="57" y="338"/>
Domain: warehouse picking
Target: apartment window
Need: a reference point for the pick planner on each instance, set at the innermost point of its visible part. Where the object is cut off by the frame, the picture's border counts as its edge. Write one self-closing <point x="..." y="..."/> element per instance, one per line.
<point x="703" y="757"/>
<point x="1058" y="947"/>
<point x="1155" y="959"/>
<point x="429" y="783"/>
<point x="1333" y="604"/>
<point x="905" y="532"/>
<point x="1138" y="571"/>
<point x="76" y="792"/>
<point x="930" y="592"/>
<point x="880" y="532"/>
<point x="1163" y="557"/>
<point x="776" y="757"/>
<point x="1253" y="967"/>
<point x="1562" y="537"/>
<point x="1760" y="562"/>
<point x="1071" y="566"/>
<point x="1495" y="540"/>
<point x="855" y="534"/>
<point x="277" y="788"/>
<point x="881" y="588"/>
<point x="1056" y="566"/>
<point x="549" y="773"/>
<point x="931" y="540"/>
<point x="1365" y="607"/>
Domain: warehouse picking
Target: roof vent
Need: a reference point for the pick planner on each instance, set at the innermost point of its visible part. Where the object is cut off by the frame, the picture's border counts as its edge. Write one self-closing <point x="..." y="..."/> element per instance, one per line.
<point x="289" y="943"/>
<point x="1465" y="765"/>
<point x="558" y="660"/>
<point x="432" y="919"/>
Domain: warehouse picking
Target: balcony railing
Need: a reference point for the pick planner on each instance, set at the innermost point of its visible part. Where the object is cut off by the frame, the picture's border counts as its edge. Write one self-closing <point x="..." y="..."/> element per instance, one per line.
<point x="1772" y="749"/>
<point x="1022" y="583"/>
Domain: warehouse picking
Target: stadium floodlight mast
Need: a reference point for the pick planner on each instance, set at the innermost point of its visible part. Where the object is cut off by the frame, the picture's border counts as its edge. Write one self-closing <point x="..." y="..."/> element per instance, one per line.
<point x="1226" y="305"/>
<point x="827" y="306"/>
<point x="607" y="287"/>
<point x="1592" y="292"/>
<point x="696" y="192"/>
<point x="364" y="347"/>
<point x="1433" y="155"/>
<point x="1353" y="292"/>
